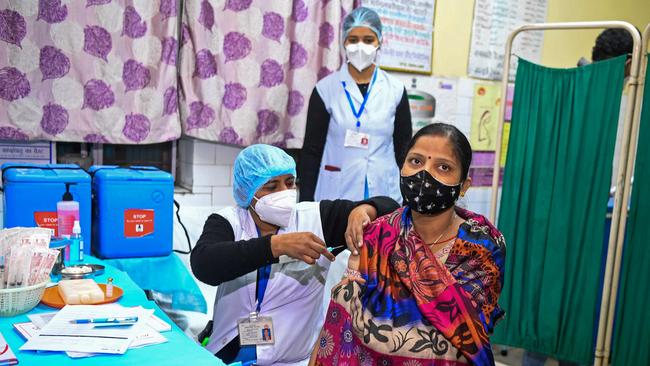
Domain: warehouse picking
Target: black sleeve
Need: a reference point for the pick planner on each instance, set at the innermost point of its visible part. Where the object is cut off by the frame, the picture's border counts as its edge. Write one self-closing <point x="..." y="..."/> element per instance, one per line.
<point x="318" y="120"/>
<point x="217" y="258"/>
<point x="334" y="217"/>
<point x="403" y="130"/>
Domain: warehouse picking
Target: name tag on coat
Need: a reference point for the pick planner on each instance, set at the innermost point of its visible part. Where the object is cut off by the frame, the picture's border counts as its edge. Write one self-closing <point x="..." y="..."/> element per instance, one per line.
<point x="356" y="139"/>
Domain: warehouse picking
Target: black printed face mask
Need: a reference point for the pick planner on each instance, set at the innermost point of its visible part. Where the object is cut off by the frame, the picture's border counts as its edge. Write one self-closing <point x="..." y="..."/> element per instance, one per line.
<point x="425" y="194"/>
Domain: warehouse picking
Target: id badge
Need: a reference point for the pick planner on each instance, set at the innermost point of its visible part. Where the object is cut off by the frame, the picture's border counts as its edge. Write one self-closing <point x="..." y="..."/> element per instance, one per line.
<point x="256" y="330"/>
<point x="356" y="139"/>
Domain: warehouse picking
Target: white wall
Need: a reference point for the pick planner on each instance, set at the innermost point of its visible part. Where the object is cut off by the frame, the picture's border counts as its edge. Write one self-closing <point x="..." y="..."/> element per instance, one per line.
<point x="205" y="169"/>
<point x="205" y="179"/>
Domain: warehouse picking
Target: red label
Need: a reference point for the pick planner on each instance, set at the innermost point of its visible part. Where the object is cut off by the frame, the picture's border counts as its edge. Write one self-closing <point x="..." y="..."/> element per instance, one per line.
<point x="138" y="223"/>
<point x="47" y="220"/>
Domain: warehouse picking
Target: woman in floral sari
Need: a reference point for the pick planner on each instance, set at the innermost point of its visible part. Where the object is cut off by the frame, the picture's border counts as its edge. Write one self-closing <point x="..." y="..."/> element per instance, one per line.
<point x="424" y="288"/>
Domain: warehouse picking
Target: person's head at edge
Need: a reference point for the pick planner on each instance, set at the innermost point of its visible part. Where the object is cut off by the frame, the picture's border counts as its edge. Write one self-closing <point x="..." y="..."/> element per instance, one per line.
<point x="443" y="152"/>
<point x="362" y="37"/>
<point x="264" y="183"/>
<point x="613" y="42"/>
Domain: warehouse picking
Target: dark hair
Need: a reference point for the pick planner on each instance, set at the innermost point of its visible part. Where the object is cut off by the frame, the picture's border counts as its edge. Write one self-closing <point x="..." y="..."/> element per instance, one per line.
<point x="462" y="148"/>
<point x="612" y="42"/>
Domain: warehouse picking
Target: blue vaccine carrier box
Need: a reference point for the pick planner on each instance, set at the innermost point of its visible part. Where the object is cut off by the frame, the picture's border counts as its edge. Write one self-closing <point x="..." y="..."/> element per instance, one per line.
<point x="132" y="211"/>
<point x="31" y="192"/>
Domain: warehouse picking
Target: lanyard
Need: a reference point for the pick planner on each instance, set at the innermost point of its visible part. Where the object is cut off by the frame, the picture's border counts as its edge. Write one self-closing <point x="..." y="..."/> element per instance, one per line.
<point x="365" y="98"/>
<point x="263" y="275"/>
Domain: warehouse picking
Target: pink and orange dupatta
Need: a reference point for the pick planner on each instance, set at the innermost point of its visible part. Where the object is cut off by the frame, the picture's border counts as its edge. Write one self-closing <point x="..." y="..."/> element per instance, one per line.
<point x="414" y="310"/>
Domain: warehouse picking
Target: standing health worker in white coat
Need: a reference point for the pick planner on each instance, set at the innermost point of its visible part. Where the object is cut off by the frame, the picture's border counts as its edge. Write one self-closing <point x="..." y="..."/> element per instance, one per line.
<point x="358" y="123"/>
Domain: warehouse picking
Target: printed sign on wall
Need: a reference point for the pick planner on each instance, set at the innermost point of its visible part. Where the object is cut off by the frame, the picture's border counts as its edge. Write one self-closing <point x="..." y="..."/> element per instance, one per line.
<point x="485" y="116"/>
<point x="407" y="34"/>
<point x="494" y="20"/>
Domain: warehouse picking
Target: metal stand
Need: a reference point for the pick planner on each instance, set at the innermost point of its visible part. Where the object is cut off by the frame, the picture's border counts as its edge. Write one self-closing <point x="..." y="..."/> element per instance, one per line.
<point x="621" y="197"/>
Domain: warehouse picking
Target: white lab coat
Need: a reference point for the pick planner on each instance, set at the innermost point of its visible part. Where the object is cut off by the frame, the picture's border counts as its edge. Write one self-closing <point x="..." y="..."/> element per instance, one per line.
<point x="377" y="163"/>
<point x="293" y="297"/>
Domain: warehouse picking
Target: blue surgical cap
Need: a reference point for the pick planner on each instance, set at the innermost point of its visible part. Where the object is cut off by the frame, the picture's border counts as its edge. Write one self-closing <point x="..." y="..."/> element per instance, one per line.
<point x="362" y="17"/>
<point x="256" y="165"/>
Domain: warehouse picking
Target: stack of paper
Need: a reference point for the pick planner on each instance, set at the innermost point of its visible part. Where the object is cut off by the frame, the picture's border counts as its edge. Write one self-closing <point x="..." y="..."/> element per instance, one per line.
<point x="58" y="332"/>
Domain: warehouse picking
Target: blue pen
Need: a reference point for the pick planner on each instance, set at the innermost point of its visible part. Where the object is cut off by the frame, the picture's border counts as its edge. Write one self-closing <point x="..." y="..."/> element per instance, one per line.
<point x="117" y="320"/>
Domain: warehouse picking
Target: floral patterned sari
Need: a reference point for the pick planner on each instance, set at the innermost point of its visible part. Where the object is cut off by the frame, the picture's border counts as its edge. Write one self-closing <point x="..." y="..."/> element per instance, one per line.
<point x="413" y="309"/>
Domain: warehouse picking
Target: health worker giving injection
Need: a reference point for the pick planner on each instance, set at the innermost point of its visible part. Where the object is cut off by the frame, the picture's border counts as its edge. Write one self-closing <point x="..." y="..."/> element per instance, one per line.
<point x="358" y="123"/>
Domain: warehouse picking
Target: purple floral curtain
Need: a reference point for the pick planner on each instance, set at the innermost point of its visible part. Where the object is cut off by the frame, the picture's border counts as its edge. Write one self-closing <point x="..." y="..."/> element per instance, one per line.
<point x="89" y="70"/>
<point x="247" y="67"/>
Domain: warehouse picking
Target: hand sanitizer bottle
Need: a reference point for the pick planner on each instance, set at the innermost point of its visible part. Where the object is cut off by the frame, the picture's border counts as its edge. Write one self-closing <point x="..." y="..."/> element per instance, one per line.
<point x="67" y="211"/>
<point x="76" y="243"/>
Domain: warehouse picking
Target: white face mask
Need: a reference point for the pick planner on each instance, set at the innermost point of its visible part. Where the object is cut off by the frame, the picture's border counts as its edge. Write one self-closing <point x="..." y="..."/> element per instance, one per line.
<point x="276" y="208"/>
<point x="360" y="55"/>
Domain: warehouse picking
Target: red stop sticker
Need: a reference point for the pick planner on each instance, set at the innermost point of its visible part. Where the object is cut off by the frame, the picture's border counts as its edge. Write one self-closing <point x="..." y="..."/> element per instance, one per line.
<point x="47" y="220"/>
<point x="138" y="223"/>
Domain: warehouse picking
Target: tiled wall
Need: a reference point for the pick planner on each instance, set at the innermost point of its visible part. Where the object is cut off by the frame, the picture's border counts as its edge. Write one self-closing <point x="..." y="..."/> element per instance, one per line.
<point x="205" y="170"/>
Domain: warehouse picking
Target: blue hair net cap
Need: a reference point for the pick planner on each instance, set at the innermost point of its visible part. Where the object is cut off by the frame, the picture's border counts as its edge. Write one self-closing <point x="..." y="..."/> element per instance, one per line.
<point x="362" y="17"/>
<point x="256" y="165"/>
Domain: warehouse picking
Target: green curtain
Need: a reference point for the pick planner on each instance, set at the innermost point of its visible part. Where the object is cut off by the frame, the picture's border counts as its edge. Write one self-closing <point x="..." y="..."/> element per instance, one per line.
<point x="553" y="205"/>
<point x="631" y="343"/>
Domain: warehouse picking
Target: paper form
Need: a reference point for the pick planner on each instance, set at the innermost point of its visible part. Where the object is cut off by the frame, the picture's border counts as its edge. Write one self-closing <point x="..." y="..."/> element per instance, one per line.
<point x="147" y="337"/>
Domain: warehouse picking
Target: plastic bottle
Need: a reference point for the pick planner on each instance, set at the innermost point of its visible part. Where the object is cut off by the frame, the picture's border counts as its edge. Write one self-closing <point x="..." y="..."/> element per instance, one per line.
<point x="67" y="211"/>
<point x="76" y="243"/>
<point x="109" y="287"/>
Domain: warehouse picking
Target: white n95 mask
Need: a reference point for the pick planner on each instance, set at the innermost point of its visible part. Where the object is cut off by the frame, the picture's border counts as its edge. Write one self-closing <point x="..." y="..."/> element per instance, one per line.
<point x="276" y="208"/>
<point x="360" y="55"/>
